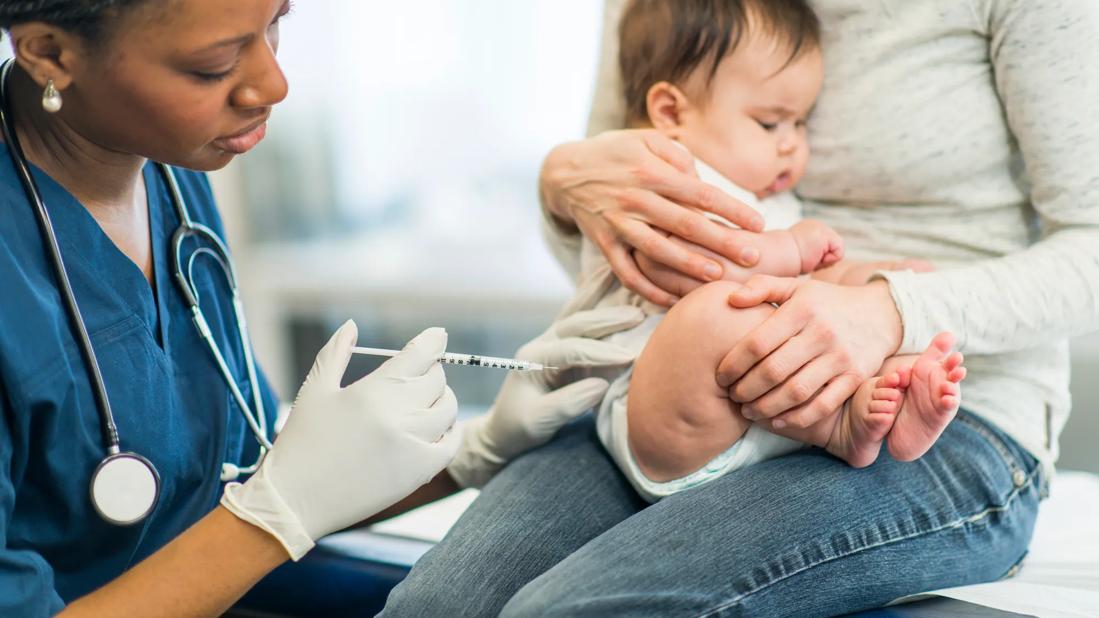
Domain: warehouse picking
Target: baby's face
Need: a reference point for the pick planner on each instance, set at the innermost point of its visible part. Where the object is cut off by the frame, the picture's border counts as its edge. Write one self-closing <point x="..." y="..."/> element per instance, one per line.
<point x="749" y="124"/>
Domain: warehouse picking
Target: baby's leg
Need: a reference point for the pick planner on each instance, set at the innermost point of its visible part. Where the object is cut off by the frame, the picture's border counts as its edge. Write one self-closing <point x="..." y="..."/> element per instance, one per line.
<point x="678" y="417"/>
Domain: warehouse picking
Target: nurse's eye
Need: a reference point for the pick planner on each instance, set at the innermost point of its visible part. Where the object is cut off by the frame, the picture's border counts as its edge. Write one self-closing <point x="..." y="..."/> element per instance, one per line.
<point x="214" y="76"/>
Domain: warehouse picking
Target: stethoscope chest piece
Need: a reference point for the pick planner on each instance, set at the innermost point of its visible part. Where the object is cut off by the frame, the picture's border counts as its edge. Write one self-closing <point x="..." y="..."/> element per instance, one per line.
<point x="125" y="488"/>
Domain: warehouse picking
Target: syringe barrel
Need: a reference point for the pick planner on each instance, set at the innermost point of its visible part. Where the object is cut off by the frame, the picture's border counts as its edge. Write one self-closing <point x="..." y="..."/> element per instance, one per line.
<point x="485" y="361"/>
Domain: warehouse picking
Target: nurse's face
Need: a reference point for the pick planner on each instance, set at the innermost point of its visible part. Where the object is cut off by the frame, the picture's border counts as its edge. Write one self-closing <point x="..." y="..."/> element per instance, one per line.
<point x="185" y="82"/>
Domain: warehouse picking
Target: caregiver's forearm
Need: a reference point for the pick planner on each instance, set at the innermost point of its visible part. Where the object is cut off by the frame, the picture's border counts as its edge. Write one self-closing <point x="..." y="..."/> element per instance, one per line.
<point x="1043" y="63"/>
<point x="1046" y="293"/>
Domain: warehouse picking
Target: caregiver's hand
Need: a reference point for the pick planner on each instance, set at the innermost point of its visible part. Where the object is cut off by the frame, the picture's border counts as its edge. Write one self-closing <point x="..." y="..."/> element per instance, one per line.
<point x="529" y="411"/>
<point x="620" y="185"/>
<point x="804" y="361"/>
<point x="349" y="452"/>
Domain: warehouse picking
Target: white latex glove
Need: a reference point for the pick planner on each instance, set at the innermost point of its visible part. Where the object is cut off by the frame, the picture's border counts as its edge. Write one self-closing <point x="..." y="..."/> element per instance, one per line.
<point x="528" y="411"/>
<point x="347" y="453"/>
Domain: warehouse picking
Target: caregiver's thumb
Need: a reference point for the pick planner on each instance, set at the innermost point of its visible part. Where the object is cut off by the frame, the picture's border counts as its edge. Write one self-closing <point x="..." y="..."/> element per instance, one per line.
<point x="348" y="452"/>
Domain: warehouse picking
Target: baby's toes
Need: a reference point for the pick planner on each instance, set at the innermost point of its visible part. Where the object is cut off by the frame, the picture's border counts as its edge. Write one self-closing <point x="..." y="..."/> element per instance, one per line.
<point x="952" y="361"/>
<point x="886" y="394"/>
<point x="904" y="377"/>
<point x="957" y="374"/>
<point x="949" y="402"/>
<point x="884" y="406"/>
<point x="948" y="388"/>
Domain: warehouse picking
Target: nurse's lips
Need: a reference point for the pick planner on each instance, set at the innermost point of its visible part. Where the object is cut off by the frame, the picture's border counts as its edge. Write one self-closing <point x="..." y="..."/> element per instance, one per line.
<point x="244" y="141"/>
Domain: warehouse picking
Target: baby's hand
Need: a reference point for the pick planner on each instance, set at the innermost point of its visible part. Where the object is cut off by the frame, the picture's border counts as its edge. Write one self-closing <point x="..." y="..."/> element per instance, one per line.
<point x="819" y="245"/>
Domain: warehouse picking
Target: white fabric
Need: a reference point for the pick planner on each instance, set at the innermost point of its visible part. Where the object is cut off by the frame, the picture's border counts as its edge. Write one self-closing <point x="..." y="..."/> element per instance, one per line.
<point x="347" y="453"/>
<point x="955" y="131"/>
<point x="528" y="411"/>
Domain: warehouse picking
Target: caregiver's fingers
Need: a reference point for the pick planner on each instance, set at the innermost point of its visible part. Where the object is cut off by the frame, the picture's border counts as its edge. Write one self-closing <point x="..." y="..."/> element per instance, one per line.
<point x="787" y="377"/>
<point x="827" y="402"/>
<point x="690" y="224"/>
<point x="667" y="278"/>
<point x="636" y="228"/>
<point x="690" y="191"/>
<point x="625" y="268"/>
<point x="764" y="289"/>
<point x="757" y="345"/>
<point x="672" y="152"/>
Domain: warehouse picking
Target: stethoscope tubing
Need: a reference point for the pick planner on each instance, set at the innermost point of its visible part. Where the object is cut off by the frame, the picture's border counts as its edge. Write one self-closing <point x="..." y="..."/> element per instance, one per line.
<point x="214" y="246"/>
<point x="18" y="158"/>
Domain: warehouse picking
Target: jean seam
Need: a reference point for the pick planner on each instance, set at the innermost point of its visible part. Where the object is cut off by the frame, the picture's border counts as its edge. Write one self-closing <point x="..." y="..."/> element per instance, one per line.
<point x="958" y="523"/>
<point x="1010" y="460"/>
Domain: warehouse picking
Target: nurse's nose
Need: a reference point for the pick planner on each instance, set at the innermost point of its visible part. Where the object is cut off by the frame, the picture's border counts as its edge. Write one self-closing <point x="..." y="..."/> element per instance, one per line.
<point x="267" y="84"/>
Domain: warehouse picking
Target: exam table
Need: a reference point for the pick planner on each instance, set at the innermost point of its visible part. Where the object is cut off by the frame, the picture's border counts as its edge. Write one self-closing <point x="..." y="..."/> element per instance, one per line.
<point x="350" y="574"/>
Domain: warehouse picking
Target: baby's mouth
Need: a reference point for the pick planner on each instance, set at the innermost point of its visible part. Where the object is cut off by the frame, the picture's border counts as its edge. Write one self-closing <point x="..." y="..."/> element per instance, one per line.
<point x="781" y="183"/>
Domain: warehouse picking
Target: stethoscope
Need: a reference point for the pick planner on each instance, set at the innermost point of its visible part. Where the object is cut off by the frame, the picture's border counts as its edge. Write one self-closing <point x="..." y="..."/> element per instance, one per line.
<point x="125" y="486"/>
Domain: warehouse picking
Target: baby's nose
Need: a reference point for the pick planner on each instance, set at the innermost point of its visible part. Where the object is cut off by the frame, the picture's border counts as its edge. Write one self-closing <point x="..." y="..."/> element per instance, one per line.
<point x="787" y="146"/>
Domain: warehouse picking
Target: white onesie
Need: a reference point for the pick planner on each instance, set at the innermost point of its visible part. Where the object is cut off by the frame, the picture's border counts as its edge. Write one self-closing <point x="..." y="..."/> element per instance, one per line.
<point x="598" y="287"/>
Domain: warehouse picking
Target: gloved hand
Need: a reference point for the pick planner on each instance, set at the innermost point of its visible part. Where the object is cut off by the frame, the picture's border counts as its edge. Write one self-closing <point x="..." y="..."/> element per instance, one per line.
<point x="347" y="453"/>
<point x="528" y="411"/>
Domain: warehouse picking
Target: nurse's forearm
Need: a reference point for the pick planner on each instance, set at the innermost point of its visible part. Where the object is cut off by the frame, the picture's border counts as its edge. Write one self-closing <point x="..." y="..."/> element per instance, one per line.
<point x="202" y="572"/>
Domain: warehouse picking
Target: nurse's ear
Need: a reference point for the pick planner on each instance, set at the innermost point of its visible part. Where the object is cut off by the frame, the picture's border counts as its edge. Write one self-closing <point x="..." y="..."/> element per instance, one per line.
<point x="47" y="52"/>
<point x="666" y="105"/>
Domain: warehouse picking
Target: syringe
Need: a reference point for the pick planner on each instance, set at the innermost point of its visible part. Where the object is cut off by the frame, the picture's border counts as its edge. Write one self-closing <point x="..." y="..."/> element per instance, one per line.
<point x="469" y="360"/>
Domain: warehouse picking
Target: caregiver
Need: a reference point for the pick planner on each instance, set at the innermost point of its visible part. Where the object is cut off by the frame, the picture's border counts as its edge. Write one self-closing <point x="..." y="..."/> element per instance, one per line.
<point x="98" y="91"/>
<point x="958" y="131"/>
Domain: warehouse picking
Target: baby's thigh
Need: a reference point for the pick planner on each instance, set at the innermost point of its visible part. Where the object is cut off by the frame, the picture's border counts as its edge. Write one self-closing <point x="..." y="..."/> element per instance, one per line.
<point x="675" y="403"/>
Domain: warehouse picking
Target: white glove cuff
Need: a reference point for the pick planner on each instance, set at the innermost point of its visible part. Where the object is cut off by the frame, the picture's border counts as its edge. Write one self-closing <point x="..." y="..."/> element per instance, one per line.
<point x="259" y="503"/>
<point x="475" y="464"/>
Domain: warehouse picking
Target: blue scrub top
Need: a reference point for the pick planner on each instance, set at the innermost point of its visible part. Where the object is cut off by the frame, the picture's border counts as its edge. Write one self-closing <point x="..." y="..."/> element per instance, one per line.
<point x="169" y="400"/>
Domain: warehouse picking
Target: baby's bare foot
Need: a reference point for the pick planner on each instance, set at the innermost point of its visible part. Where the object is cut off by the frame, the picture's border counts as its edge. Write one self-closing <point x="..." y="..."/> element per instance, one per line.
<point x="863" y="425"/>
<point x="932" y="394"/>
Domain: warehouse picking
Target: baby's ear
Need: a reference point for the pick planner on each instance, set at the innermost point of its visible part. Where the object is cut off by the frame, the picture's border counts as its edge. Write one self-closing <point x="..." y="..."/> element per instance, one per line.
<point x="666" y="104"/>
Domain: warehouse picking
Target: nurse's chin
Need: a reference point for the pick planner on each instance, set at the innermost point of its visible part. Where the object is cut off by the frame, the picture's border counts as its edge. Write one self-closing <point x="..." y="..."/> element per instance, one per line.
<point x="208" y="159"/>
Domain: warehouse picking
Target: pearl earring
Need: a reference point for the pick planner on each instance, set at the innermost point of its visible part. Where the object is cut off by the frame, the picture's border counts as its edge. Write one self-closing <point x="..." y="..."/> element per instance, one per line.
<point x="51" y="98"/>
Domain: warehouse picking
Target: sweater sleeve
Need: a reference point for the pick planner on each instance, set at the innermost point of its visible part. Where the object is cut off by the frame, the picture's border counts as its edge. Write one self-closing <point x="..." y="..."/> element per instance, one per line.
<point x="1044" y="55"/>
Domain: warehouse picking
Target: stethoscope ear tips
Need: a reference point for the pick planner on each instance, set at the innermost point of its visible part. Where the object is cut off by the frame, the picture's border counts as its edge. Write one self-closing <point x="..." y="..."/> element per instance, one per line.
<point x="229" y="472"/>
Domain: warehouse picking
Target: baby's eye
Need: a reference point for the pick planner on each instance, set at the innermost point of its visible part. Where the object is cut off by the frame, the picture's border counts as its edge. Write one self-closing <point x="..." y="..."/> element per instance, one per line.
<point x="768" y="126"/>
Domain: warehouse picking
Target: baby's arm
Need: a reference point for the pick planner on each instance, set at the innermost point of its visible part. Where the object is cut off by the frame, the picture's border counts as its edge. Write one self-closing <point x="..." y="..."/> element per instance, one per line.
<point x="678" y="417"/>
<point x="848" y="272"/>
<point x="803" y="248"/>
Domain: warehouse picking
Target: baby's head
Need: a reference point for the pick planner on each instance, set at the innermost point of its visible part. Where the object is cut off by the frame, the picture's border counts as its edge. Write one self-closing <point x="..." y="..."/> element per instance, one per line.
<point x="732" y="80"/>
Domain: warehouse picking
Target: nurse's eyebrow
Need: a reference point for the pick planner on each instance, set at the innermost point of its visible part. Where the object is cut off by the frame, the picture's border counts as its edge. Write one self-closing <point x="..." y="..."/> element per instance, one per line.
<point x="233" y="42"/>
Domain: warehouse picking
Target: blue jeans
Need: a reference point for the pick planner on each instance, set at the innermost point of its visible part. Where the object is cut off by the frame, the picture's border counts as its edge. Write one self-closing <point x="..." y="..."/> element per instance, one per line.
<point x="559" y="532"/>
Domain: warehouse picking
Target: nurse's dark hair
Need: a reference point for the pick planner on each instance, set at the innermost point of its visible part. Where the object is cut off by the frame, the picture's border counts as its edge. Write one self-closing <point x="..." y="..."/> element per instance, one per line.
<point x="88" y="19"/>
<point x="666" y="40"/>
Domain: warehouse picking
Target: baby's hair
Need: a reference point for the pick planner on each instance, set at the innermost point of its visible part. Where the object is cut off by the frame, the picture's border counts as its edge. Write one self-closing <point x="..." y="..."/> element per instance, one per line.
<point x="84" y="18"/>
<point x="666" y="40"/>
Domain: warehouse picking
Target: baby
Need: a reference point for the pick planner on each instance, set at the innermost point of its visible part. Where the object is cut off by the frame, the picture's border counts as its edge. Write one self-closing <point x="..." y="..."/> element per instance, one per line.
<point x="733" y="81"/>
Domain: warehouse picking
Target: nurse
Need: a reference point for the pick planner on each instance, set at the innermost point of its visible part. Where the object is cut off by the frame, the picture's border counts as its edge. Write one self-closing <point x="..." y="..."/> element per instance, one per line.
<point x="99" y="90"/>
